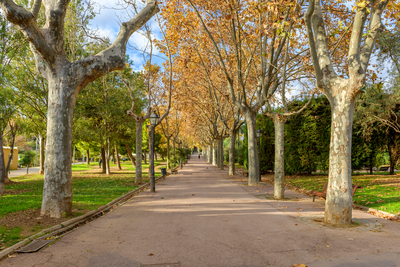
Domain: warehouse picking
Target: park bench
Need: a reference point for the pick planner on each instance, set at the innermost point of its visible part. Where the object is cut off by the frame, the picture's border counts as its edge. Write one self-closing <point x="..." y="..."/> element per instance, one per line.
<point x="174" y="170"/>
<point x="323" y="192"/>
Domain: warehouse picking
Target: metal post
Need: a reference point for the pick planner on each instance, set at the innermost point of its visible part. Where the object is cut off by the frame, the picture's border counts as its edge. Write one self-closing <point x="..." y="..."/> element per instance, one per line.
<point x="152" y="179"/>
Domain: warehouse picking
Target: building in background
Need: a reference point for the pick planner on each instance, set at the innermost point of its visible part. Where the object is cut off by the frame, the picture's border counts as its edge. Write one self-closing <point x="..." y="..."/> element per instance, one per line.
<point x="14" y="161"/>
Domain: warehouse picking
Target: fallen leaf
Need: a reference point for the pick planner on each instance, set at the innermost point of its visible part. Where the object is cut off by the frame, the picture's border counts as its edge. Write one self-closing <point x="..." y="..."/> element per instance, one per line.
<point x="12" y="256"/>
<point x="351" y="239"/>
<point x="192" y="194"/>
<point x="299" y="265"/>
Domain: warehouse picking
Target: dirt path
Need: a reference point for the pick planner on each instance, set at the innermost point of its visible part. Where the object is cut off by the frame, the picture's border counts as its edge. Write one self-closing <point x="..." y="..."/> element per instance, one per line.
<point x="201" y="217"/>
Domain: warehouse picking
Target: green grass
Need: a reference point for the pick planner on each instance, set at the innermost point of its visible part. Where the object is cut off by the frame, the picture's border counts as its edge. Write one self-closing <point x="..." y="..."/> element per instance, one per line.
<point x="127" y="165"/>
<point x="9" y="236"/>
<point x="90" y="191"/>
<point x="378" y="192"/>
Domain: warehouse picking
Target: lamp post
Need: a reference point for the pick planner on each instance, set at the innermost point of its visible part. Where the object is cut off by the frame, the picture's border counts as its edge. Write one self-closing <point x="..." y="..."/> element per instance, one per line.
<point x="153" y="122"/>
<point x="259" y="134"/>
<point x="180" y="154"/>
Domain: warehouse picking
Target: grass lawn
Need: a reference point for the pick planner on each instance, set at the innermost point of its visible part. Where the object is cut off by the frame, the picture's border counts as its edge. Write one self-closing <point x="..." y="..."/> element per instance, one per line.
<point x="20" y="205"/>
<point x="127" y="165"/>
<point x="380" y="192"/>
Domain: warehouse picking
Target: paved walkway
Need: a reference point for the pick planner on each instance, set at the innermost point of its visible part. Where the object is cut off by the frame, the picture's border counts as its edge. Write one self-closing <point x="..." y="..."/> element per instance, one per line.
<point x="201" y="217"/>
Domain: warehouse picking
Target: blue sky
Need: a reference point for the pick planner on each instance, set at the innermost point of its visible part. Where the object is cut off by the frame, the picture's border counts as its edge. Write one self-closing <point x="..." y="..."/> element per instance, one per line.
<point x="107" y="22"/>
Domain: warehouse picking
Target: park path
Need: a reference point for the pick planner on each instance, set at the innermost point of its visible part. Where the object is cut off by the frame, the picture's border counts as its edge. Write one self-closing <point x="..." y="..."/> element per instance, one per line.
<point x="201" y="217"/>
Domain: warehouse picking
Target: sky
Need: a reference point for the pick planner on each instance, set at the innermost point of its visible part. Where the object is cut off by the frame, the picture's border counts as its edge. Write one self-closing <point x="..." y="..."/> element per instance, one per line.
<point x="107" y="24"/>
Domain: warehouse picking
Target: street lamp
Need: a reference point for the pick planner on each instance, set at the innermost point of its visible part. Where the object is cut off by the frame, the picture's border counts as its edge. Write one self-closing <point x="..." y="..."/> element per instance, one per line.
<point x="259" y="134"/>
<point x="153" y="121"/>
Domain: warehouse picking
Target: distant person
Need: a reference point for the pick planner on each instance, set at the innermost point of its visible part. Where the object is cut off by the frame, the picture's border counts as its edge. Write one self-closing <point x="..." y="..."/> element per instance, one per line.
<point x="100" y="161"/>
<point x="199" y="155"/>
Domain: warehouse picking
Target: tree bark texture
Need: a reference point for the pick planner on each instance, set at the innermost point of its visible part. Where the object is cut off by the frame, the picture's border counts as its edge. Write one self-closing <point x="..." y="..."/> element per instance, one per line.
<point x="339" y="199"/>
<point x="57" y="188"/>
<point x="252" y="148"/>
<point x="108" y="158"/>
<point x="279" y="180"/>
<point x="2" y="167"/>
<point x="42" y="155"/>
<point x="139" y="137"/>
<point x="117" y="157"/>
<point x="128" y="149"/>
<point x="214" y="154"/>
<point x="103" y="159"/>
<point x="221" y="155"/>
<point x="168" y="152"/>
<point x="65" y="80"/>
<point x="232" y="142"/>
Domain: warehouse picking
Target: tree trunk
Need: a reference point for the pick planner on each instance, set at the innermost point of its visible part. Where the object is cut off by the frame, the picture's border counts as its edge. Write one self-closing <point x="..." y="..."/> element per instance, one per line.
<point x="27" y="169"/>
<point x="174" y="144"/>
<point x="128" y="149"/>
<point x="168" y="140"/>
<point x="73" y="155"/>
<point x="145" y="157"/>
<point x="221" y="155"/>
<point x="210" y="154"/>
<point x="214" y="153"/>
<point x="108" y="153"/>
<point x="103" y="159"/>
<point x="252" y="148"/>
<point x="339" y="199"/>
<point x="88" y="157"/>
<point x="139" y="137"/>
<point x="218" y="151"/>
<point x="232" y="142"/>
<point x="2" y="168"/>
<point x="279" y="180"/>
<point x="117" y="157"/>
<point x="42" y="155"/>
<point x="11" y="156"/>
<point x="57" y="188"/>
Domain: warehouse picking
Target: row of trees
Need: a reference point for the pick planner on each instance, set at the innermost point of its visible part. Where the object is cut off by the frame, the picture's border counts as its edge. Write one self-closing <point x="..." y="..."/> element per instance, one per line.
<point x="250" y="57"/>
<point x="229" y="60"/>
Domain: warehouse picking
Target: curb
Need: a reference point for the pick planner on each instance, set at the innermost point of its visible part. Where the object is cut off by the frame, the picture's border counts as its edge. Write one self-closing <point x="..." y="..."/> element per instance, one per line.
<point x="378" y="213"/>
<point x="70" y="224"/>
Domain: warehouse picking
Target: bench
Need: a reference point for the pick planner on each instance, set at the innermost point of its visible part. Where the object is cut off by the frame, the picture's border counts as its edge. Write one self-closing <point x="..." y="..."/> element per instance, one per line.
<point x="174" y="170"/>
<point x="323" y="192"/>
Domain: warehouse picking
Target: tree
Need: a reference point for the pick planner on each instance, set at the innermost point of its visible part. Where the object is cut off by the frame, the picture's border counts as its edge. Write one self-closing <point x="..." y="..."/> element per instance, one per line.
<point x="65" y="80"/>
<point x="342" y="94"/>
<point x="28" y="159"/>
<point x="7" y="111"/>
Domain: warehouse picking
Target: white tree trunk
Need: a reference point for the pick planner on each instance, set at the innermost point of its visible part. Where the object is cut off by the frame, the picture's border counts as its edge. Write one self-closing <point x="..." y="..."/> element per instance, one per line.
<point x="221" y="155"/>
<point x="42" y="155"/>
<point x="2" y="167"/>
<point x="252" y="148"/>
<point x="232" y="142"/>
<point x="57" y="190"/>
<point x="339" y="199"/>
<point x="279" y="180"/>
<point x="139" y="136"/>
<point x="214" y="154"/>
<point x="108" y="153"/>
